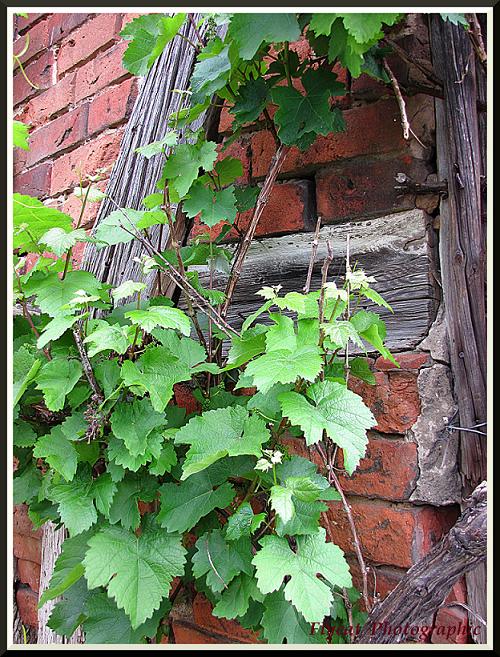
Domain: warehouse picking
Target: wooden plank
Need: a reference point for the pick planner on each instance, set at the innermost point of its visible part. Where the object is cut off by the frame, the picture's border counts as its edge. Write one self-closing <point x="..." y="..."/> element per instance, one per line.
<point x="394" y="248"/>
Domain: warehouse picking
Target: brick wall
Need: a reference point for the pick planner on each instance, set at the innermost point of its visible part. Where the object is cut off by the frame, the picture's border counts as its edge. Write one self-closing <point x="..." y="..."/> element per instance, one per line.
<point x="78" y="116"/>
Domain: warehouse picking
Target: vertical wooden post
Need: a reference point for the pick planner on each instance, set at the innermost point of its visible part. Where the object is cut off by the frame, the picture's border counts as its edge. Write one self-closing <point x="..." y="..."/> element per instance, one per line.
<point x="460" y="155"/>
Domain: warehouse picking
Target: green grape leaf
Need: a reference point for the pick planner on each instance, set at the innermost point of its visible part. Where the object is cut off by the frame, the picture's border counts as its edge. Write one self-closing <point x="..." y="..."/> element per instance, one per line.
<point x="251" y="101"/>
<point x="187" y="350"/>
<point x="322" y="23"/>
<point x="55" y="328"/>
<point x="182" y="166"/>
<point x="156" y="147"/>
<point x="68" y="567"/>
<point x="284" y="366"/>
<point x="105" y="623"/>
<point x="108" y="337"/>
<point x="308" y="594"/>
<point x="132" y="422"/>
<point x="59" y="453"/>
<point x="213" y="207"/>
<point x="367" y="26"/>
<point x="24" y="371"/>
<point x="221" y="561"/>
<point x="374" y="296"/>
<point x="59" y="240"/>
<point x="162" y="316"/>
<point x="235" y="600"/>
<point x="56" y="378"/>
<point x="299" y="114"/>
<point x="26" y="484"/>
<point x="335" y="409"/>
<point x="165" y="461"/>
<point x="372" y="329"/>
<point x="149" y="35"/>
<point x="136" y="570"/>
<point x="218" y="433"/>
<point x="20" y="135"/>
<point x="69" y="612"/>
<point x="52" y="293"/>
<point x="127" y="289"/>
<point x="184" y="504"/>
<point x="340" y="332"/>
<point x="456" y="19"/>
<point x="228" y="170"/>
<point x="250" y="30"/>
<point x="24" y="435"/>
<point x="281" y="621"/>
<point x="157" y="370"/>
<point x="32" y="219"/>
<point x="119" y="454"/>
<point x="246" y="197"/>
<point x="107" y="373"/>
<point x="211" y="72"/>
<point x="132" y="488"/>
<point x="251" y="343"/>
<point x="243" y="522"/>
<point x="359" y="368"/>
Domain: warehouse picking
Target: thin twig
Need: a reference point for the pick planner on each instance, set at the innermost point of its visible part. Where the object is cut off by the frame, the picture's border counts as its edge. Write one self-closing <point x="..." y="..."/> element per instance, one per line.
<point x="324" y="277"/>
<point x="399" y="97"/>
<point x="87" y="367"/>
<point x="29" y="319"/>
<point x="456" y="603"/>
<point x="414" y="61"/>
<point x="315" y="243"/>
<point x="196" y="30"/>
<point x="262" y="201"/>
<point x="347" y="308"/>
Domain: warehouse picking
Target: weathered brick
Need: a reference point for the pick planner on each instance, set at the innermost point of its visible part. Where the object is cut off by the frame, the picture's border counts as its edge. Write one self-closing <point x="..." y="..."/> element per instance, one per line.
<point x="39" y="41"/>
<point x="370" y="130"/>
<point x="190" y="634"/>
<point x="22" y="523"/>
<point x="100" y="152"/>
<point x="289" y="210"/>
<point x="100" y="72"/>
<point x="61" y="133"/>
<point x="35" y="182"/>
<point x="202" y="615"/>
<point x="39" y="72"/>
<point x="365" y="187"/>
<point x="51" y="102"/>
<point x="27" y="602"/>
<point x="388" y="471"/>
<point x="73" y="206"/>
<point x="61" y="24"/>
<point x="86" y="40"/>
<point x="451" y="626"/>
<point x="112" y="106"/>
<point x="27" y="547"/>
<point x="394" y="400"/>
<point x="28" y="573"/>
<point x="407" y="361"/>
<point x="393" y="535"/>
<point x="23" y="23"/>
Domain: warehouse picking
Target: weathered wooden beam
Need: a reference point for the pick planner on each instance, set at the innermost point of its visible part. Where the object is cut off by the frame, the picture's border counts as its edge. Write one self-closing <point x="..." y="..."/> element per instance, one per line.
<point x="394" y="248"/>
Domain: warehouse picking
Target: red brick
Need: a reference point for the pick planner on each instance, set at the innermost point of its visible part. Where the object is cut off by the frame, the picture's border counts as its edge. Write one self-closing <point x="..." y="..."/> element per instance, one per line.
<point x="35" y="182"/>
<point x="451" y="626"/>
<point x="23" y="23"/>
<point x="100" y="72"/>
<point x="364" y="187"/>
<point x="202" y="614"/>
<point x="19" y="160"/>
<point x="22" y="523"/>
<point x="387" y="472"/>
<point x="392" y="535"/>
<point x="61" y="24"/>
<point x="100" y="152"/>
<point x="81" y="44"/>
<point x="370" y="130"/>
<point x="28" y="548"/>
<point x="189" y="634"/>
<point x="51" y="102"/>
<point x="239" y="149"/>
<point x="289" y="210"/>
<point x="112" y="106"/>
<point x="39" y="72"/>
<point x="39" y="41"/>
<point x="184" y="398"/>
<point x="61" y="133"/>
<point x="394" y="400"/>
<point x="27" y="602"/>
<point x="28" y="573"/>
<point x="408" y="361"/>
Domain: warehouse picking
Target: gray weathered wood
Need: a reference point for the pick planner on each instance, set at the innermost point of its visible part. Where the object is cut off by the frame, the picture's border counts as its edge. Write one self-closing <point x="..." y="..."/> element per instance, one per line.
<point x="461" y="143"/>
<point x="394" y="249"/>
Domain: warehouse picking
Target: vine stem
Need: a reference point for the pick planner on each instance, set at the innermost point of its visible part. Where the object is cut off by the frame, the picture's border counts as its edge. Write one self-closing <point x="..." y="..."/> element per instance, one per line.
<point x="87" y="367"/>
<point x="262" y="201"/>
<point x="399" y="97"/>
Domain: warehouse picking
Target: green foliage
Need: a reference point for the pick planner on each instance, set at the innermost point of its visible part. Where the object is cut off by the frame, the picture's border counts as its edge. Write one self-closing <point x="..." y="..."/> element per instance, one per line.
<point x="20" y="135"/>
<point x="218" y="469"/>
